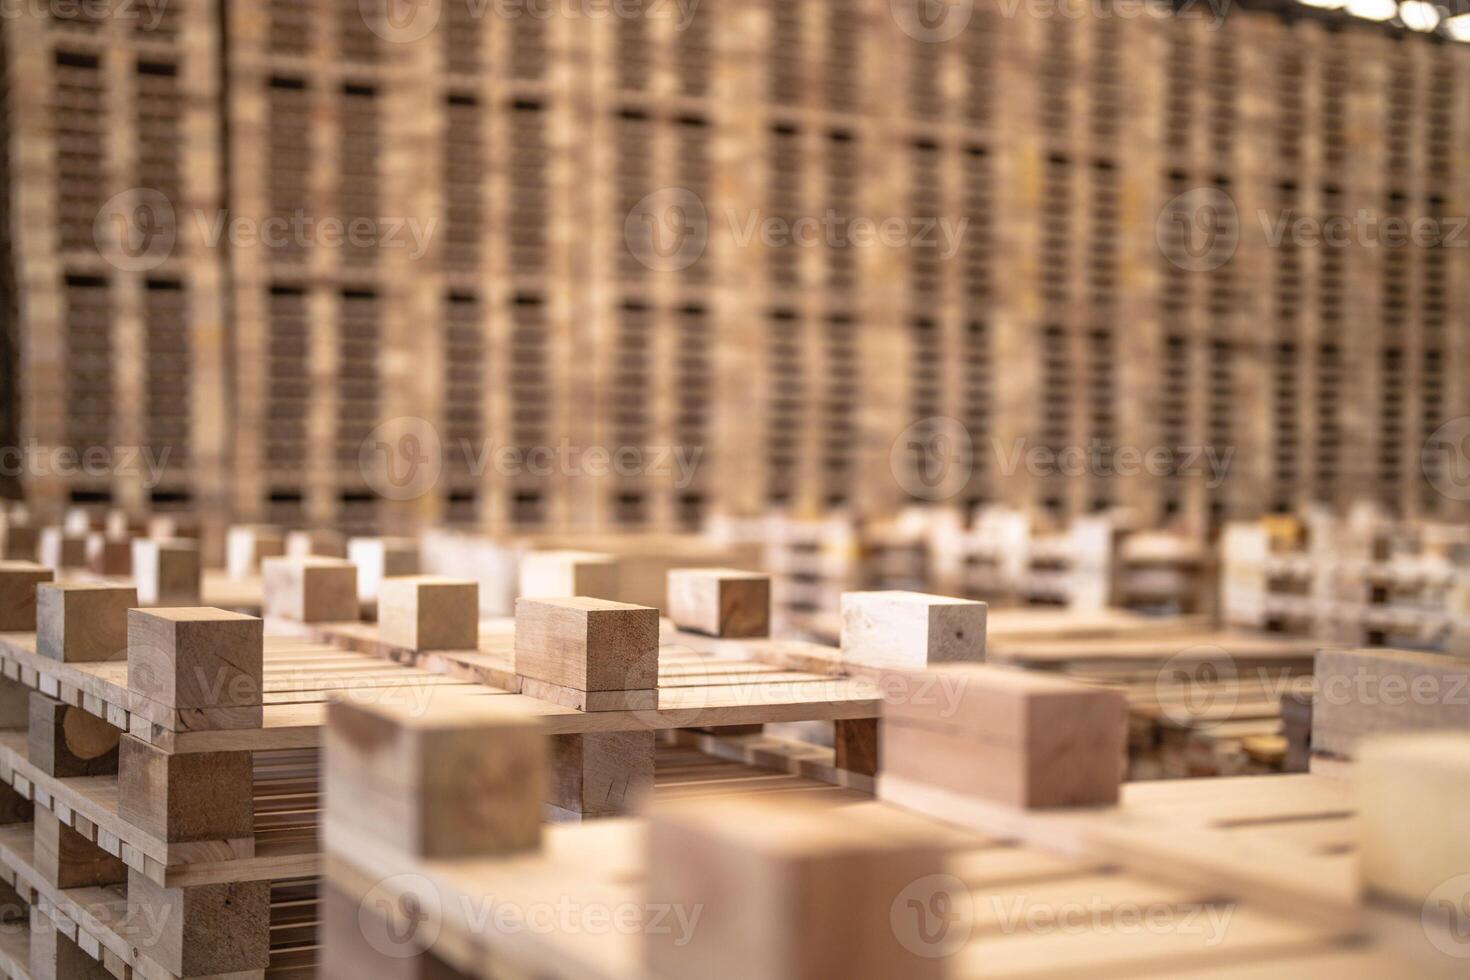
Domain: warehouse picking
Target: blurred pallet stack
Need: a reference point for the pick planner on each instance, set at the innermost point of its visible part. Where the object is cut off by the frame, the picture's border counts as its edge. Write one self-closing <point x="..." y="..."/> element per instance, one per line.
<point x="1362" y="582"/>
<point x="114" y="175"/>
<point x="714" y="254"/>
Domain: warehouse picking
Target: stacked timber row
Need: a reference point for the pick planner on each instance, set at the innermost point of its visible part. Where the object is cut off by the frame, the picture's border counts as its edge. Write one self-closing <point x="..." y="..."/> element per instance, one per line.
<point x="113" y="158"/>
<point x="837" y="255"/>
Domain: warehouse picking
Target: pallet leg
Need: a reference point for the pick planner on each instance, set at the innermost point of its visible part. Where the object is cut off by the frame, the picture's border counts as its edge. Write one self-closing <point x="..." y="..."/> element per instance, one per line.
<point x="55" y="957"/>
<point x="601" y="774"/>
<point x="202" y="930"/>
<point x="63" y="740"/>
<point x="358" y="943"/>
<point x="856" y="744"/>
<point x="14" y="808"/>
<point x="66" y="859"/>
<point x="186" y="797"/>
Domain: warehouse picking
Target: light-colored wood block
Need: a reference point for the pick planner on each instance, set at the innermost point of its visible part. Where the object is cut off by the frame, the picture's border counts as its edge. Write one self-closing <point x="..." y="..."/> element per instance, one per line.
<point x="319" y="543"/>
<point x="83" y="622"/>
<point x="426" y="612"/>
<point x="191" y="796"/>
<point x="1015" y="737"/>
<point x="197" y="658"/>
<point x="246" y="546"/>
<point x="357" y="946"/>
<point x="557" y="574"/>
<point x="587" y="644"/>
<point x="786" y="890"/>
<point x="60" y="549"/>
<point x="167" y="573"/>
<point x="1413" y="819"/>
<point x="66" y="859"/>
<point x="109" y="554"/>
<point x="63" y="740"/>
<point x="18" y="582"/>
<point x="310" y="589"/>
<point x="911" y="630"/>
<point x="720" y="601"/>
<point x="464" y="779"/>
<point x="204" y="930"/>
<point x="601" y="773"/>
<point x="380" y="558"/>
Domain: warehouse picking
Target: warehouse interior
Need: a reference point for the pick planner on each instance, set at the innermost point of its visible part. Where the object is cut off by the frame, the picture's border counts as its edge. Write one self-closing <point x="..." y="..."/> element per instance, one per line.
<point x="734" y="488"/>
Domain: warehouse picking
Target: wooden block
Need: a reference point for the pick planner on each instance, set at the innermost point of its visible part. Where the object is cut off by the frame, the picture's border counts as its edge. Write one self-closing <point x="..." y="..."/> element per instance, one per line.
<point x="856" y="743"/>
<point x="82" y="622"/>
<point x="785" y="890"/>
<point x="587" y="644"/>
<point x="1375" y="692"/>
<point x="14" y="806"/>
<point x="109" y="555"/>
<point x="720" y="601"/>
<point x="1413" y="822"/>
<point x="66" y="859"/>
<point x="466" y="778"/>
<point x="204" y="930"/>
<point x="18" y="581"/>
<point x="356" y="946"/>
<point x="14" y="910"/>
<point x="557" y="574"/>
<point x="320" y="543"/>
<point x="198" y="658"/>
<point x="426" y="612"/>
<point x="63" y="740"/>
<point x="911" y="630"/>
<point x="56" y="957"/>
<point x="602" y="773"/>
<point x="194" y="796"/>
<point x="167" y="572"/>
<point x="380" y="558"/>
<point x="310" y="590"/>
<point x="19" y="542"/>
<point x="61" y="549"/>
<point x="248" y="545"/>
<point x="1016" y="737"/>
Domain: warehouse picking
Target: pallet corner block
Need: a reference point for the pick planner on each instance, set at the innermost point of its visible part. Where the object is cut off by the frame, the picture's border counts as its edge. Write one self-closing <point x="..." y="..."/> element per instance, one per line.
<point x="428" y="612"/>
<point x="109" y="554"/>
<point x="555" y="574"/>
<point x="61" y="549"/>
<point x="1015" y="737"/>
<point x="247" y="545"/>
<point x="83" y="622"/>
<point x="464" y="778"/>
<point x="587" y="645"/>
<point x="381" y="558"/>
<point x="201" y="663"/>
<point x="201" y="930"/>
<point x="18" y="583"/>
<point x="742" y="859"/>
<point x="1411" y="791"/>
<point x="911" y="630"/>
<point x="167" y="572"/>
<point x="724" y="602"/>
<point x="319" y="543"/>
<point x="310" y="589"/>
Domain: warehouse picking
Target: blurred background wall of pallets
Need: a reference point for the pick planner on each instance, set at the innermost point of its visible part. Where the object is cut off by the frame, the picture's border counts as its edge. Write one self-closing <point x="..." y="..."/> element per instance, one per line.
<point x="642" y="233"/>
